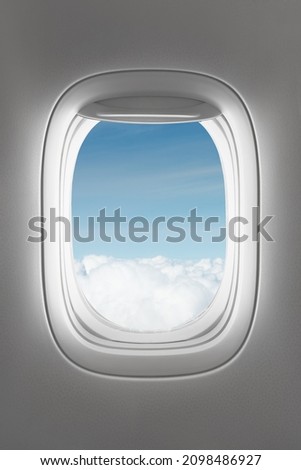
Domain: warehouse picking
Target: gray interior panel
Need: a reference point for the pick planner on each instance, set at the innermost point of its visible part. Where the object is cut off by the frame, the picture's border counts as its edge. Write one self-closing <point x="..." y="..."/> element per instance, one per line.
<point x="253" y="402"/>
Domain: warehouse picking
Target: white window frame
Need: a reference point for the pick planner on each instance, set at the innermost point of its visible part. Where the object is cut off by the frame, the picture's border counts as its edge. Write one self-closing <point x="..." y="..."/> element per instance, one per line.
<point x="211" y="339"/>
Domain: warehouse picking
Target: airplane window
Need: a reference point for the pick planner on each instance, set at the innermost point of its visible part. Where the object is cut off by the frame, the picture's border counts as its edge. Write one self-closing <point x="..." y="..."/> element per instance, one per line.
<point x="149" y="261"/>
<point x="148" y="211"/>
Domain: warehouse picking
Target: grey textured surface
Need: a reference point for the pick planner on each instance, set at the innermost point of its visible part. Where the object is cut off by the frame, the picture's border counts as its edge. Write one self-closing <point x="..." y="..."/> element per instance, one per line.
<point x="253" y="402"/>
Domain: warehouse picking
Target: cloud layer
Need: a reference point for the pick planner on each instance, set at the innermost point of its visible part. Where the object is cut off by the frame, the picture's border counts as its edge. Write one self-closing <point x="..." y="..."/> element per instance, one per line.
<point x="149" y="294"/>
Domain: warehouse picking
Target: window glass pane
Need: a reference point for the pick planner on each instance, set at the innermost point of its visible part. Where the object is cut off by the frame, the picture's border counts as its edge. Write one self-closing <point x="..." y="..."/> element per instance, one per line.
<point x="143" y="246"/>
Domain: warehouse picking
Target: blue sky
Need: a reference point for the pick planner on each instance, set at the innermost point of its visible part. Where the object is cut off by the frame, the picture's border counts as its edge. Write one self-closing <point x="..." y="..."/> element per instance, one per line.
<point x="148" y="170"/>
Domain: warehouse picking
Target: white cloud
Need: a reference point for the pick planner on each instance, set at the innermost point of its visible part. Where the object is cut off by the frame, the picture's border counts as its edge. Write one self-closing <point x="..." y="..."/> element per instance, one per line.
<point x="149" y="294"/>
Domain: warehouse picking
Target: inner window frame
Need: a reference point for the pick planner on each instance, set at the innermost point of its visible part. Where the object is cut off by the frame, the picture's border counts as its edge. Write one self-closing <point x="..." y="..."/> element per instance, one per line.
<point x="84" y="313"/>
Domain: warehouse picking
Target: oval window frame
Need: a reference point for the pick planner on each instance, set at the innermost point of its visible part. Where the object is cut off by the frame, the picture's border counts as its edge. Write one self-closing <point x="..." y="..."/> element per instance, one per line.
<point x="87" y="338"/>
